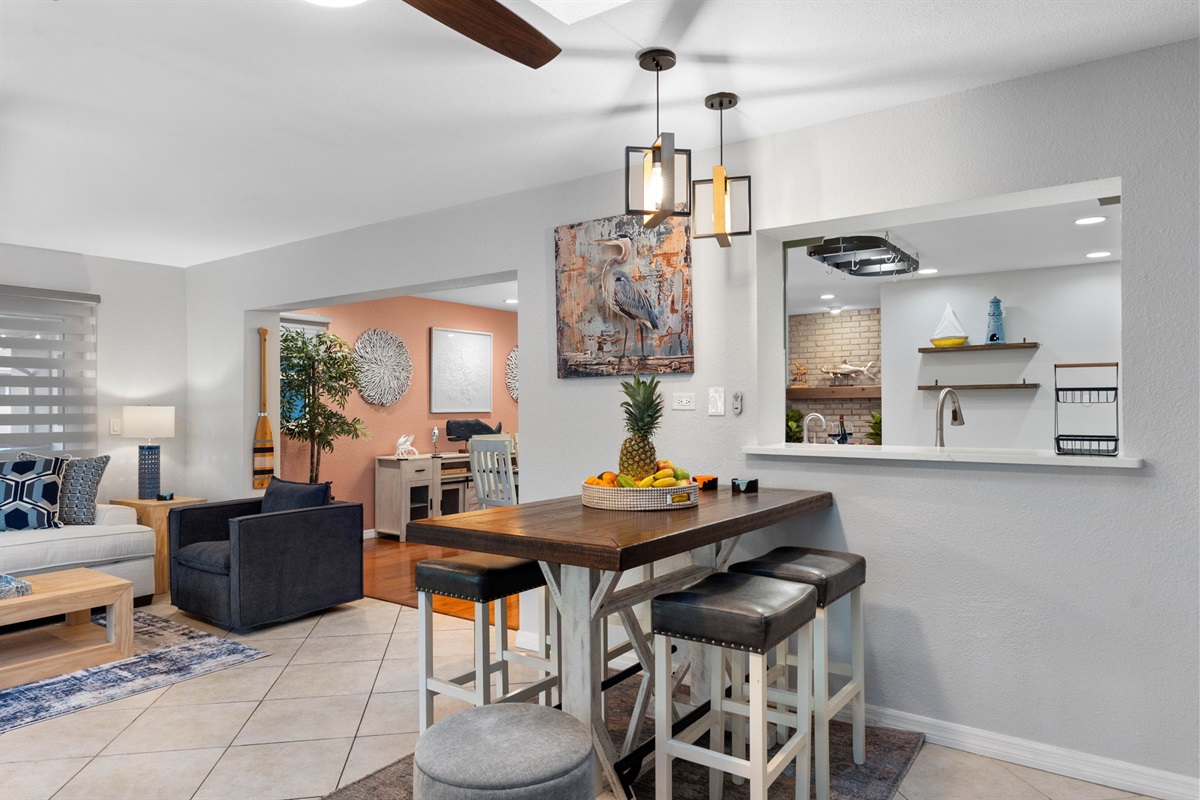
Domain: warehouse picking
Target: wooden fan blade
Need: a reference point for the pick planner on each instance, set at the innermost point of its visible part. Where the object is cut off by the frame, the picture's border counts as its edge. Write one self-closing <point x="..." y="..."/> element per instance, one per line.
<point x="493" y="26"/>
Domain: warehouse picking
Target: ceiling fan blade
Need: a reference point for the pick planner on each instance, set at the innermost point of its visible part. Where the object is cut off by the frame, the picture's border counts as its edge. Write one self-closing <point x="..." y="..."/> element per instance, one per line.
<point x="493" y="26"/>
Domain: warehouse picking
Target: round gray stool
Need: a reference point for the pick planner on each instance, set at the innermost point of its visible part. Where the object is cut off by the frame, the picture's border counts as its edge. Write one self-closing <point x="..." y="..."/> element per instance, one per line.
<point x="508" y="751"/>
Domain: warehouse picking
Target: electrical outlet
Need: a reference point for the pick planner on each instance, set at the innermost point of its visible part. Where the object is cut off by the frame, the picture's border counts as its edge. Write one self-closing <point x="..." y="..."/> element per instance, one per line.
<point x="114" y="426"/>
<point x="683" y="401"/>
<point x="716" y="401"/>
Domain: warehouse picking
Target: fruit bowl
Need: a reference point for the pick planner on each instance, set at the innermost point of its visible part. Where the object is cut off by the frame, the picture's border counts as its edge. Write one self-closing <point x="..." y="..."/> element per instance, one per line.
<point x="660" y="498"/>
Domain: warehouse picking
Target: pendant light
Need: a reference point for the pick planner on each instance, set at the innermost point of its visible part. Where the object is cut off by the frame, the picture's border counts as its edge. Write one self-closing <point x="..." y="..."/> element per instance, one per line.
<point x="722" y="204"/>
<point x="657" y="177"/>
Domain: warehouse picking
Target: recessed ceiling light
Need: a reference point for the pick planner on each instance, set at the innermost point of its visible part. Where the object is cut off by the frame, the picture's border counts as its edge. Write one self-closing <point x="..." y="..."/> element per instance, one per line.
<point x="926" y="271"/>
<point x="828" y="296"/>
<point x="512" y="301"/>
<point x="835" y="309"/>
<point x="1099" y="254"/>
<point x="336" y="3"/>
<point x="1090" y="220"/>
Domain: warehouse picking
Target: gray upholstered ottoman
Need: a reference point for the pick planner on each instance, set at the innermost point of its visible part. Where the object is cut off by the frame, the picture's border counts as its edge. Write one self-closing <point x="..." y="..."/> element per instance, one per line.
<point x="509" y="751"/>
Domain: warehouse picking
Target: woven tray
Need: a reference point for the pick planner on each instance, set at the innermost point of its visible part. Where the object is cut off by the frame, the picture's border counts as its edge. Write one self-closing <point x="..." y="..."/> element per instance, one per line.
<point x="660" y="498"/>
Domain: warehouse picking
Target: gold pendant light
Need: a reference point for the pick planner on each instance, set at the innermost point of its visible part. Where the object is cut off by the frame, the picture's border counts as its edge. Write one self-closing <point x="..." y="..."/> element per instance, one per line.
<point x="729" y="212"/>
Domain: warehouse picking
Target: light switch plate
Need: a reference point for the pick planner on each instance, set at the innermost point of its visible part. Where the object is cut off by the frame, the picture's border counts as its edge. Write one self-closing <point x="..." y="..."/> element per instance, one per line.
<point x="716" y="401"/>
<point x="683" y="401"/>
<point x="114" y="426"/>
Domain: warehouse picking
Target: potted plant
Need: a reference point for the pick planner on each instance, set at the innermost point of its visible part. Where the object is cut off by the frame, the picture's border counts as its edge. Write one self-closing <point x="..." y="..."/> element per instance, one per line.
<point x="875" y="433"/>
<point x="317" y="374"/>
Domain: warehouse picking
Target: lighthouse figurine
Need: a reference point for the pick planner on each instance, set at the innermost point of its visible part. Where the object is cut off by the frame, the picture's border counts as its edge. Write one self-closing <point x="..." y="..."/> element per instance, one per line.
<point x="995" y="326"/>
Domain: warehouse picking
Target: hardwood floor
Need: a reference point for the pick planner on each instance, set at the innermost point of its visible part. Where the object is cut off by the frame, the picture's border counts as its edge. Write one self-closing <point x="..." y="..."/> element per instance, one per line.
<point x="388" y="569"/>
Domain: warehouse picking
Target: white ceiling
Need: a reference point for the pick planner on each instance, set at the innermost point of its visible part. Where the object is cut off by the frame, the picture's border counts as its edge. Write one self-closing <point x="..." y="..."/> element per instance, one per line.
<point x="1029" y="238"/>
<point x="183" y="132"/>
<point x="488" y="295"/>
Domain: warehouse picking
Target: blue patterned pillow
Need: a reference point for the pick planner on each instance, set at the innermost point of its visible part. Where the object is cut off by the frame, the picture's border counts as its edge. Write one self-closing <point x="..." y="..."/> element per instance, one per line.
<point x="29" y="492"/>
<point x="80" y="485"/>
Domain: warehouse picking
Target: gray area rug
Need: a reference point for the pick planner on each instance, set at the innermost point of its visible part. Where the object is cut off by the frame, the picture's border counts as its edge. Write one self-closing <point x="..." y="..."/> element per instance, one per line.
<point x="890" y="753"/>
<point x="165" y="653"/>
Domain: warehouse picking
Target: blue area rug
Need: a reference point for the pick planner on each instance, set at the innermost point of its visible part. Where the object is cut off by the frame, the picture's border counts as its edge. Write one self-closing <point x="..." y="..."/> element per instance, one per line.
<point x="166" y="653"/>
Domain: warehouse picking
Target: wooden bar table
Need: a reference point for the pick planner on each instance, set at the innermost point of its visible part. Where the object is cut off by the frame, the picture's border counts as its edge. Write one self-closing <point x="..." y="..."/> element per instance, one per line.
<point x="584" y="552"/>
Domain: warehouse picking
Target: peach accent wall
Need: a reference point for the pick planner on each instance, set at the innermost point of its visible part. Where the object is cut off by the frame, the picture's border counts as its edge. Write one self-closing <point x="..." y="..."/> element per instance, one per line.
<point x="351" y="465"/>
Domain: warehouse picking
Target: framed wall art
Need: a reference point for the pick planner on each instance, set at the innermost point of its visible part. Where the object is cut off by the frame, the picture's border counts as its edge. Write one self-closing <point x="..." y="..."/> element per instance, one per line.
<point x="624" y="296"/>
<point x="460" y="371"/>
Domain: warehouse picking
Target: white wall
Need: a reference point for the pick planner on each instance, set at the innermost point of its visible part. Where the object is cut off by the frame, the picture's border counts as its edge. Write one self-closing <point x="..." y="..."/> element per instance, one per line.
<point x="1058" y="607"/>
<point x="140" y="346"/>
<point x="1073" y="312"/>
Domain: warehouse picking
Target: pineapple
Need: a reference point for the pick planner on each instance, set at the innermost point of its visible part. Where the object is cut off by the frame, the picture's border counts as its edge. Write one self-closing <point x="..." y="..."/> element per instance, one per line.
<point x="643" y="411"/>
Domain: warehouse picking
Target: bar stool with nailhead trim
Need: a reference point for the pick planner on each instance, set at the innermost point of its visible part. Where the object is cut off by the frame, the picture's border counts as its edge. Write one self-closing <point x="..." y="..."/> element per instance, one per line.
<point x="834" y="575"/>
<point x="483" y="579"/>
<point x="734" y="614"/>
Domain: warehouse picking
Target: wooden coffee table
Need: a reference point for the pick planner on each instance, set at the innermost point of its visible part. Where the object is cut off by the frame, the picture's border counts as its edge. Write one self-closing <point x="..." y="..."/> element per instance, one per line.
<point x="44" y="652"/>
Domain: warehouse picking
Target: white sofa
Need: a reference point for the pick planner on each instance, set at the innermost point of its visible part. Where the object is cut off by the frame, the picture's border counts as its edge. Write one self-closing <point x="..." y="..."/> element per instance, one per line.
<point x="116" y="544"/>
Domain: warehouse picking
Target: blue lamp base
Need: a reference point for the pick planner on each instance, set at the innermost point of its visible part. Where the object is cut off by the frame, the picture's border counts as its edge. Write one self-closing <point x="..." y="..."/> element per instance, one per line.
<point x="148" y="471"/>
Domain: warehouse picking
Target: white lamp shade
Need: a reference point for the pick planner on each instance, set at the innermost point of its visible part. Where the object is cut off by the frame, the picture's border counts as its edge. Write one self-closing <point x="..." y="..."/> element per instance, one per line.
<point x="148" y="422"/>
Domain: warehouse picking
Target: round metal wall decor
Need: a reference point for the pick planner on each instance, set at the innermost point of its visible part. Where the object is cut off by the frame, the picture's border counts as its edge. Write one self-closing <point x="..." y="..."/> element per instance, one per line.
<point x="384" y="367"/>
<point x="510" y="373"/>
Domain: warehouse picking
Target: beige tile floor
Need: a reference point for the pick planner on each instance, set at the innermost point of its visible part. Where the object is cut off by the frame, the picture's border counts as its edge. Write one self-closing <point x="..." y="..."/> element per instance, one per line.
<point x="335" y="701"/>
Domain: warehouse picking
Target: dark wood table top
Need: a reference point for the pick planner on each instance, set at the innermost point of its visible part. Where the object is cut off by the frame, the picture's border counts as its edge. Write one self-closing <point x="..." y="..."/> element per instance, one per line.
<point x="564" y="531"/>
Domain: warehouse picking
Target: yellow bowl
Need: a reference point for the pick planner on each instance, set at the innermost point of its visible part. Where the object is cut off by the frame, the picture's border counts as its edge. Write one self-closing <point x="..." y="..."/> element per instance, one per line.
<point x="953" y="341"/>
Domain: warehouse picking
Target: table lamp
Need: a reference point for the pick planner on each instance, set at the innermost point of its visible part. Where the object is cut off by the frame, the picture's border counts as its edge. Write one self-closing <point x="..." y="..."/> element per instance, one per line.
<point x="149" y="423"/>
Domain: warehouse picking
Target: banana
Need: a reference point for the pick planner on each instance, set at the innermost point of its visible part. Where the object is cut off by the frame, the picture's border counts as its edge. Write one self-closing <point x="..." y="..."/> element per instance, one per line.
<point x="666" y="482"/>
<point x="646" y="482"/>
<point x="665" y="472"/>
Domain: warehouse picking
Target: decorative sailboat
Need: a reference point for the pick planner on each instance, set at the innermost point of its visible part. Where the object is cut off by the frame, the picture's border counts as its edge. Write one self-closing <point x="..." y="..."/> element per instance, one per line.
<point x="949" y="331"/>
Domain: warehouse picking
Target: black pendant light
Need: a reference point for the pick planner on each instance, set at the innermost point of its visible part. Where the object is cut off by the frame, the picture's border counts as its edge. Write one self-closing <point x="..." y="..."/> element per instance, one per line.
<point x="657" y="177"/>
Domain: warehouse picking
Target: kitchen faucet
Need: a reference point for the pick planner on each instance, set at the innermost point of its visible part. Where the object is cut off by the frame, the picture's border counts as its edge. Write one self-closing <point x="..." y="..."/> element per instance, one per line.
<point x="804" y="427"/>
<point x="956" y="414"/>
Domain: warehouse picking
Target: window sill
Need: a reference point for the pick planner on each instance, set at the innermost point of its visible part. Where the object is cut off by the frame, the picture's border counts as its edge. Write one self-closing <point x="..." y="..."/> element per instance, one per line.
<point x="962" y="455"/>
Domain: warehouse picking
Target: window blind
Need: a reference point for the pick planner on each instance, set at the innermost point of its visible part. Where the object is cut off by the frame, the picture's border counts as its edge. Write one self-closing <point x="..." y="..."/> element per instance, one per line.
<point x="47" y="371"/>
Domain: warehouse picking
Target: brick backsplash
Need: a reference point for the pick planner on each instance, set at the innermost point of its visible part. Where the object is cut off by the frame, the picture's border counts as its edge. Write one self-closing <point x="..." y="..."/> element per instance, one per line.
<point x="820" y="340"/>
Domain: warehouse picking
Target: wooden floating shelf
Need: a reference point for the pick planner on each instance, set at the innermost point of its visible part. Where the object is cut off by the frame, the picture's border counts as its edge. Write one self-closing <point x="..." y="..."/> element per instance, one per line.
<point x="833" y="392"/>
<point x="970" y="386"/>
<point x="962" y="348"/>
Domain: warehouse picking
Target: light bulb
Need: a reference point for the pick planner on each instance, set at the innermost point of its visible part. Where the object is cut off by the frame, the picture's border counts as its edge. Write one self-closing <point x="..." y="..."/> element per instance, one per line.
<point x="728" y="209"/>
<point x="1090" y="220"/>
<point x="656" y="185"/>
<point x="1099" y="254"/>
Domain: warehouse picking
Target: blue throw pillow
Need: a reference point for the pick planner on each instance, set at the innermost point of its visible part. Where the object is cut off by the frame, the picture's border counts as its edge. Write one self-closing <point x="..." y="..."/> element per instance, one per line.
<point x="80" y="485"/>
<point x="29" y="493"/>
<point x="284" y="495"/>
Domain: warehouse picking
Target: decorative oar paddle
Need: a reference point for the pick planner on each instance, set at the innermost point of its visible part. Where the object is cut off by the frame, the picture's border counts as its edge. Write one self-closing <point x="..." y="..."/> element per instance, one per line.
<point x="264" y="444"/>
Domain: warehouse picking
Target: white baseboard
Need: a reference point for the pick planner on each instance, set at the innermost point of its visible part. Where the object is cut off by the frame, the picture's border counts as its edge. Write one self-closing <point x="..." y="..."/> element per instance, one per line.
<point x="1059" y="760"/>
<point x="369" y="533"/>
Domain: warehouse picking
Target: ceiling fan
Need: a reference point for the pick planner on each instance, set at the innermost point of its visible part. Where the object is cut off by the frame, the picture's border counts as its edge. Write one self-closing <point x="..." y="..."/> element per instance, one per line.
<point x="493" y="26"/>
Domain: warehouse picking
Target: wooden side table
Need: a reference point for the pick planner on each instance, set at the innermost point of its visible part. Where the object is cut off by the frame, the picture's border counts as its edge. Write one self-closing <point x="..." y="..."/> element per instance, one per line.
<point x="153" y="514"/>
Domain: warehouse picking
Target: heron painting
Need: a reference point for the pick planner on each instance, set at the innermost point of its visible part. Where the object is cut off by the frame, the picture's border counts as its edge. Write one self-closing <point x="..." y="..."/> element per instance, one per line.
<point x="624" y="297"/>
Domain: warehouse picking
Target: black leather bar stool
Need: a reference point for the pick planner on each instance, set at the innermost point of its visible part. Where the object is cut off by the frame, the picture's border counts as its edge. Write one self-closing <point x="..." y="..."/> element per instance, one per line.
<point x="483" y="579"/>
<point x="734" y="614"/>
<point x="834" y="575"/>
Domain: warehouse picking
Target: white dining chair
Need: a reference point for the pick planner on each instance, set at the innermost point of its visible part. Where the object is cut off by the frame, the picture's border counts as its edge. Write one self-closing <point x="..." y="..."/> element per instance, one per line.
<point x="492" y="472"/>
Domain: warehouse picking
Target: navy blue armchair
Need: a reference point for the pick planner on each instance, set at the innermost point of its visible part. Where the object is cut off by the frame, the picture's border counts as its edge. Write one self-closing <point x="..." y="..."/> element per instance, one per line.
<point x="239" y="568"/>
